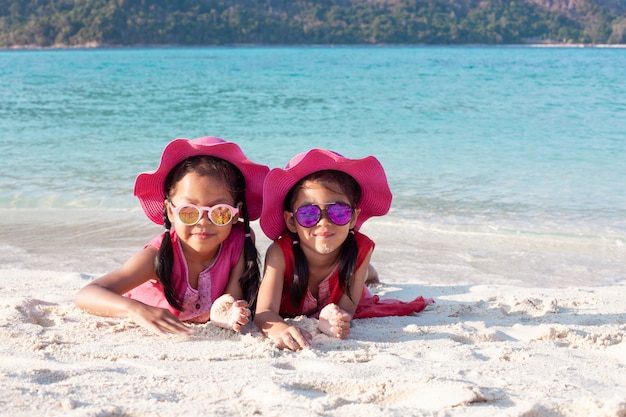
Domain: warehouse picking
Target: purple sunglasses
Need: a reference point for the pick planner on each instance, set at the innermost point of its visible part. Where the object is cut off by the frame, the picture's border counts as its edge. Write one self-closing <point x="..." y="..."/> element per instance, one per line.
<point x="309" y="215"/>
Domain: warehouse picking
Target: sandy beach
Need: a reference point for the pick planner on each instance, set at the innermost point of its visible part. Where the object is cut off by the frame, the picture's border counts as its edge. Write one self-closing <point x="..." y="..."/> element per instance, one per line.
<point x="496" y="342"/>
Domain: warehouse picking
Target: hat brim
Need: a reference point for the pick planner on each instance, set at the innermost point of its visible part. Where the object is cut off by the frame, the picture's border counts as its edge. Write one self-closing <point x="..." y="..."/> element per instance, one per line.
<point x="149" y="186"/>
<point x="368" y="172"/>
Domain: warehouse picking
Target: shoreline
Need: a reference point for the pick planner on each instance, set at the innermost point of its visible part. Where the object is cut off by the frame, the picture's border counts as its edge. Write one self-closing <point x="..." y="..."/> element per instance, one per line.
<point x="94" y="242"/>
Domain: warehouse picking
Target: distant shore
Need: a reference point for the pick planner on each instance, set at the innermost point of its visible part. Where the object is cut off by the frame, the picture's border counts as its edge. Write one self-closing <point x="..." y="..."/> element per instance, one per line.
<point x="95" y="45"/>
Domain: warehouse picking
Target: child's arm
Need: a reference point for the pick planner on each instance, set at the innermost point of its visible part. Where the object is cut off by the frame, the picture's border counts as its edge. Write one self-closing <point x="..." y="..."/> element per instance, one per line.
<point x="230" y="311"/>
<point x="268" y="305"/>
<point x="104" y="296"/>
<point x="335" y="319"/>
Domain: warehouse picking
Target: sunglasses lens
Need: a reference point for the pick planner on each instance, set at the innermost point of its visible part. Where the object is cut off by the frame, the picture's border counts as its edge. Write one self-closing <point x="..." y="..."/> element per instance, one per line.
<point x="189" y="215"/>
<point x="308" y="216"/>
<point x="221" y="215"/>
<point x="339" y="213"/>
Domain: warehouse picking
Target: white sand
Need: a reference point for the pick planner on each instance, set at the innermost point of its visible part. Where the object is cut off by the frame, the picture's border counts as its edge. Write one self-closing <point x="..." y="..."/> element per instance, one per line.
<point x="484" y="349"/>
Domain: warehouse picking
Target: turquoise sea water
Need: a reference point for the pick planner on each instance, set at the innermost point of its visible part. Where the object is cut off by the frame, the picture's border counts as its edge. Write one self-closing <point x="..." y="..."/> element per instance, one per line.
<point x="531" y="140"/>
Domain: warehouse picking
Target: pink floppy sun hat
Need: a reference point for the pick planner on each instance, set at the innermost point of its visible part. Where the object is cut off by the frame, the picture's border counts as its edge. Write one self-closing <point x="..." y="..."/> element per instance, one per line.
<point x="149" y="186"/>
<point x="368" y="173"/>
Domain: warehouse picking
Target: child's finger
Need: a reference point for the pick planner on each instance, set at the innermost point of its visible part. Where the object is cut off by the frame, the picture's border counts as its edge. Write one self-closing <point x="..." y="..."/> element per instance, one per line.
<point x="300" y="338"/>
<point x="174" y="326"/>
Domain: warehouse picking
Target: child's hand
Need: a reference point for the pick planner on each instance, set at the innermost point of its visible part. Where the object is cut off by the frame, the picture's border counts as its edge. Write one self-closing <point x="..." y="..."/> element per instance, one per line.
<point x="334" y="321"/>
<point x="240" y="314"/>
<point x="293" y="338"/>
<point x="157" y="320"/>
<point x="230" y="314"/>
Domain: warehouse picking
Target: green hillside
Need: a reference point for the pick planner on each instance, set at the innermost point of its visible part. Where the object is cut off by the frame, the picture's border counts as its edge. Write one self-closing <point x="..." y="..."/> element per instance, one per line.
<point x="46" y="23"/>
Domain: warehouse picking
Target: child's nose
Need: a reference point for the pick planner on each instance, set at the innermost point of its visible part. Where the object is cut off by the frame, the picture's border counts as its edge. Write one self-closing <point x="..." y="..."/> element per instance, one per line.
<point x="324" y="215"/>
<point x="204" y="217"/>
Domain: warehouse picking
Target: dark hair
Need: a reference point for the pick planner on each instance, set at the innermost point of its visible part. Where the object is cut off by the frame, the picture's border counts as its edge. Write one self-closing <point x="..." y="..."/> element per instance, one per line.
<point x="234" y="180"/>
<point x="341" y="183"/>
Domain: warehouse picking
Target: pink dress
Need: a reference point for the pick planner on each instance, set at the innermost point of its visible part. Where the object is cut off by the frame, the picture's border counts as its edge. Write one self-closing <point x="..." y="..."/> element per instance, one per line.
<point x="311" y="305"/>
<point x="211" y="282"/>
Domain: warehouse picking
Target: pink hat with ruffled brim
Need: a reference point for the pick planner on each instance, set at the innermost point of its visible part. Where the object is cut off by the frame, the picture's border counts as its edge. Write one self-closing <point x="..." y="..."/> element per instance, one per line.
<point x="149" y="186"/>
<point x="368" y="173"/>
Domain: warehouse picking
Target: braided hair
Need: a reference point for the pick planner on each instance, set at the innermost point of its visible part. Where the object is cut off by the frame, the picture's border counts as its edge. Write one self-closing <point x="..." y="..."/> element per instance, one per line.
<point x="234" y="180"/>
<point x="341" y="183"/>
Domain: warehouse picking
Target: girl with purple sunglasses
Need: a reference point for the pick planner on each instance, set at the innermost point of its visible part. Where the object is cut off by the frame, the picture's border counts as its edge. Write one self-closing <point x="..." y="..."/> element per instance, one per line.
<point x="319" y="261"/>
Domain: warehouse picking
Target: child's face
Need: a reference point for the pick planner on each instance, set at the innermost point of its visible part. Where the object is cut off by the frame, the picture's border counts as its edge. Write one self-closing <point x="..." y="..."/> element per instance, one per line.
<point x="325" y="237"/>
<point x="203" y="237"/>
